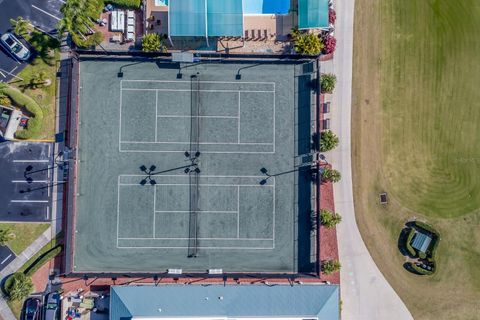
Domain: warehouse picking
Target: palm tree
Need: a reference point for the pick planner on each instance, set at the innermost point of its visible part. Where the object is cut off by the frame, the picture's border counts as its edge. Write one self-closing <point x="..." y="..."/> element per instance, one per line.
<point x="328" y="141"/>
<point x="331" y="175"/>
<point x="6" y="235"/>
<point x="20" y="25"/>
<point x="21" y="287"/>
<point x="329" y="219"/>
<point x="38" y="79"/>
<point x="327" y="82"/>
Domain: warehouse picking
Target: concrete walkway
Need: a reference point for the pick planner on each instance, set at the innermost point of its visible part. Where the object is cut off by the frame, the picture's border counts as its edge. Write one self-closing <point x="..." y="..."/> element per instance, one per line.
<point x="39" y="243"/>
<point x="364" y="291"/>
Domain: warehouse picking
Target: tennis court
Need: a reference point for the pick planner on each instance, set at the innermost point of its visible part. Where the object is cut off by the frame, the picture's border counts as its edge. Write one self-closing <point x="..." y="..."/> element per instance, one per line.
<point x="192" y="172"/>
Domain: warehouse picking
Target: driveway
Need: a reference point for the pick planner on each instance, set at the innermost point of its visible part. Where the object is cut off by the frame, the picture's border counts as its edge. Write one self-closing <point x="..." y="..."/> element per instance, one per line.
<point x="26" y="181"/>
<point x="365" y="293"/>
<point x="43" y="14"/>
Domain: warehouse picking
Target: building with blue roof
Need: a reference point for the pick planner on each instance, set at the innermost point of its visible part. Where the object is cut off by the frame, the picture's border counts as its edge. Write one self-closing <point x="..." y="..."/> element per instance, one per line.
<point x="319" y="302"/>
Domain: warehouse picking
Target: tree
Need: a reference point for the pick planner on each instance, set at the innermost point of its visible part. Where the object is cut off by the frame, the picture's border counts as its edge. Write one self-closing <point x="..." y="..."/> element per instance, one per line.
<point x="6" y="235"/>
<point x="328" y="141"/>
<point x="20" y="25"/>
<point x="19" y="287"/>
<point x="152" y="42"/>
<point x="79" y="18"/>
<point x="330" y="44"/>
<point x="327" y="82"/>
<point x="329" y="219"/>
<point x="331" y="266"/>
<point x="331" y="175"/>
<point x="306" y="43"/>
<point x="38" y="80"/>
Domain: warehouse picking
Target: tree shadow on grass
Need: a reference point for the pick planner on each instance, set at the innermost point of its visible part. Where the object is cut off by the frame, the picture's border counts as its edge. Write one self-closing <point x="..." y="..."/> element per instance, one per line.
<point x="44" y="46"/>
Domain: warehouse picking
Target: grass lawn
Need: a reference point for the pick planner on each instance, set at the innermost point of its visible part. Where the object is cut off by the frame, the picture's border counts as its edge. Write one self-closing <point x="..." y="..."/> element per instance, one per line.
<point x="25" y="234"/>
<point x="416" y="124"/>
<point x="46" y="61"/>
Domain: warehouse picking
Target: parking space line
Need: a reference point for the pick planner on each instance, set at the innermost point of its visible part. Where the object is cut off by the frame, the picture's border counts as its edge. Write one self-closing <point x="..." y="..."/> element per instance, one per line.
<point x="33" y="201"/>
<point x="31" y="160"/>
<point x="47" y="216"/>
<point x="4" y="260"/>
<point x="47" y="13"/>
<point x="15" y="68"/>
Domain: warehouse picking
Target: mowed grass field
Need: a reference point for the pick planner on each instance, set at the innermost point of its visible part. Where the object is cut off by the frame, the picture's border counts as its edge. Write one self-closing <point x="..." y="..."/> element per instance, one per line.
<point x="416" y="135"/>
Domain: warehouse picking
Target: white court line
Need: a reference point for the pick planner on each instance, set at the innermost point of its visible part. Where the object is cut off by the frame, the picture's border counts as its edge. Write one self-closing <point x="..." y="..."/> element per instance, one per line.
<point x="204" y="248"/>
<point x="187" y="211"/>
<point x="274" y="108"/>
<point x="120" y="123"/>
<point x="47" y="13"/>
<point x="216" y="143"/>
<point x="238" y="212"/>
<point x="216" y="239"/>
<point x="33" y="201"/>
<point x="36" y="181"/>
<point x="154" y="208"/>
<point x="201" y="90"/>
<point x="214" y="117"/>
<point x="4" y="260"/>
<point x="201" y="81"/>
<point x="31" y="161"/>
<point x="238" y="137"/>
<point x="118" y="208"/>
<point x="274" y="206"/>
<point x="156" y="115"/>
<point x="206" y="152"/>
<point x="201" y="185"/>
<point x="182" y="175"/>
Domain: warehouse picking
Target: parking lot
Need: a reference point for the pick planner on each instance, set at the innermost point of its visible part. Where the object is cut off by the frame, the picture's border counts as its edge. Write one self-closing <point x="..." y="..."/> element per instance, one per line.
<point x="44" y="14"/>
<point x="26" y="181"/>
<point x="6" y="256"/>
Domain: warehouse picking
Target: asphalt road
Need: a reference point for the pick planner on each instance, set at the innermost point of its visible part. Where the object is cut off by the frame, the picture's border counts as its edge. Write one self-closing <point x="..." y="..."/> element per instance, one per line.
<point x="6" y="256"/>
<point x="26" y="181"/>
<point x="43" y="14"/>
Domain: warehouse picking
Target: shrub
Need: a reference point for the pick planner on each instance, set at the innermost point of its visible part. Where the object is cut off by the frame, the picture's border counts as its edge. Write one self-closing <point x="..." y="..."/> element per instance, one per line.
<point x="18" y="286"/>
<point x="329" y="219"/>
<point x="152" y="42"/>
<point x="422" y="255"/>
<point x="332" y="16"/>
<point x="329" y="44"/>
<point x="306" y="43"/>
<point x="421" y="271"/>
<point x="5" y="100"/>
<point x="132" y="4"/>
<point x="331" y="175"/>
<point x="6" y="235"/>
<point x="328" y="141"/>
<point x="331" y="266"/>
<point x="36" y="120"/>
<point x="44" y="258"/>
<point x="327" y="82"/>
<point x="426" y="227"/>
<point x="410" y="249"/>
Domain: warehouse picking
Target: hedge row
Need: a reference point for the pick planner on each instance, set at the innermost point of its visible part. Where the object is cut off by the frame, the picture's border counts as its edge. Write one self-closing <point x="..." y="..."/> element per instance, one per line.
<point x="36" y="120"/>
<point x="133" y="4"/>
<point x="40" y="261"/>
<point x="410" y="249"/>
<point x="421" y="270"/>
<point x="426" y="227"/>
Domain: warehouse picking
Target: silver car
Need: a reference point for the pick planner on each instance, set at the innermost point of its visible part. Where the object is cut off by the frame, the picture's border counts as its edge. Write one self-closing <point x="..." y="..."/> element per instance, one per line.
<point x="16" y="48"/>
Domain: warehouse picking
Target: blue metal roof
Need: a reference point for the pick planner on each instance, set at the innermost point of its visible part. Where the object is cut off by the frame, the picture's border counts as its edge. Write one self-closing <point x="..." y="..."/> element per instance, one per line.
<point x="421" y="241"/>
<point x="312" y="14"/>
<point x="166" y="301"/>
<point x="201" y="18"/>
<point x="266" y="6"/>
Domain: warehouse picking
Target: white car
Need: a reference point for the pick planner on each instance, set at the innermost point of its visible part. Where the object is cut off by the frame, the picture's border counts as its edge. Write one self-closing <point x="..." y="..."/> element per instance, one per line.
<point x="10" y="42"/>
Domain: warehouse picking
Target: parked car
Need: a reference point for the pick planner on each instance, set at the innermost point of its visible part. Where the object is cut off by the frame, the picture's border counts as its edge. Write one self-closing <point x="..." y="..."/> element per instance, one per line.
<point x="52" y="308"/>
<point x="14" y="46"/>
<point x="31" y="309"/>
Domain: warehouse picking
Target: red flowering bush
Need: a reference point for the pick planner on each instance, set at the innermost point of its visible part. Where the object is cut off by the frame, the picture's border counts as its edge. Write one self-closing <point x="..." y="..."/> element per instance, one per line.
<point x="332" y="16"/>
<point x="329" y="44"/>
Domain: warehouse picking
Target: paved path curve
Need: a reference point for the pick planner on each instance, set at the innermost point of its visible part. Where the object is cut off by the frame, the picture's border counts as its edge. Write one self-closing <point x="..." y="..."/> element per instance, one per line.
<point x="365" y="292"/>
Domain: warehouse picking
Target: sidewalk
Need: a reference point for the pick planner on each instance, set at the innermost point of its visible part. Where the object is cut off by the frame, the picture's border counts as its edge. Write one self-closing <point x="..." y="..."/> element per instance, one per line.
<point x="39" y="243"/>
<point x="365" y="292"/>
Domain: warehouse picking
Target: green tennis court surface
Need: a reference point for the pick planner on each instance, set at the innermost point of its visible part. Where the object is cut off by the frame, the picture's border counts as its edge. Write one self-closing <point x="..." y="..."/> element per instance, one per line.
<point x="227" y="212"/>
